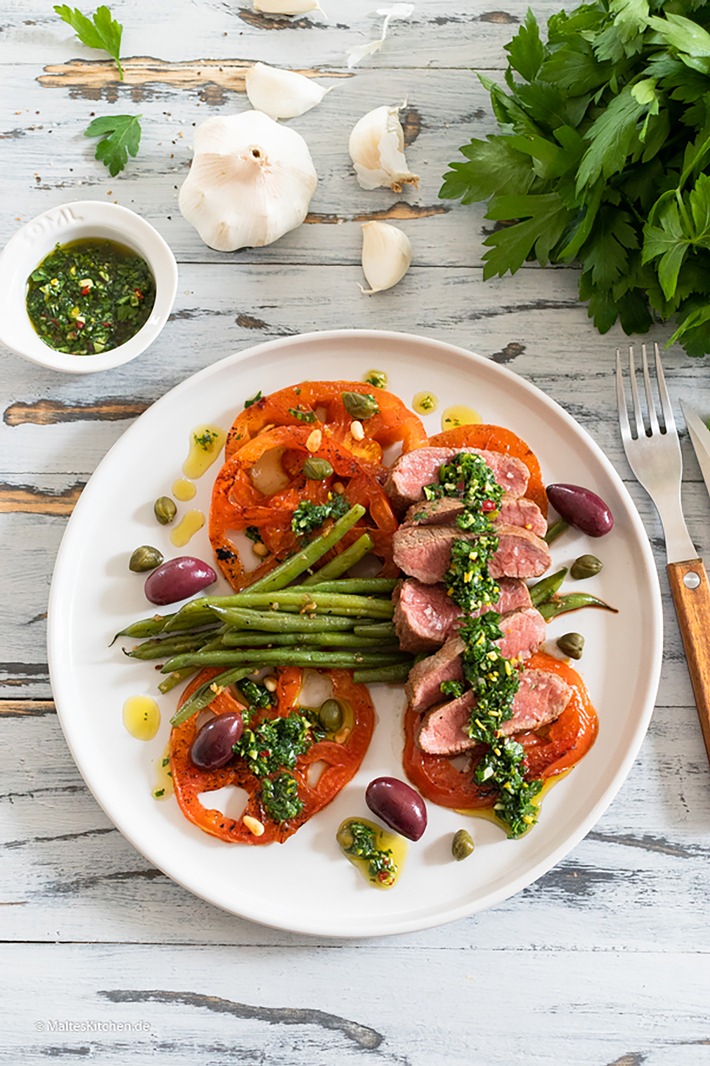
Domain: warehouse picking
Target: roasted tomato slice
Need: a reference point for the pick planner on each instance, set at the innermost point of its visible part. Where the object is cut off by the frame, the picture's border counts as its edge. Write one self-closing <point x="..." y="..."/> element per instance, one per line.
<point x="322" y="402"/>
<point x="497" y="439"/>
<point x="321" y="772"/>
<point x="279" y="454"/>
<point x="548" y="752"/>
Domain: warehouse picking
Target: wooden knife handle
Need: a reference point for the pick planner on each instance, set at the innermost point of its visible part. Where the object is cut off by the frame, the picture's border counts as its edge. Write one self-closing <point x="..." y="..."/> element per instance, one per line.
<point x="691" y="597"/>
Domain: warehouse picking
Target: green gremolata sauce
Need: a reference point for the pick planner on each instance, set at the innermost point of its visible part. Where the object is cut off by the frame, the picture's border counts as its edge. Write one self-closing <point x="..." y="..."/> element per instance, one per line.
<point x="90" y="296"/>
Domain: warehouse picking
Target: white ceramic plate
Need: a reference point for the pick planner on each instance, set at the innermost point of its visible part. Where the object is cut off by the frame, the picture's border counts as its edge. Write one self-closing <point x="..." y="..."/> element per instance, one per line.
<point x="305" y="885"/>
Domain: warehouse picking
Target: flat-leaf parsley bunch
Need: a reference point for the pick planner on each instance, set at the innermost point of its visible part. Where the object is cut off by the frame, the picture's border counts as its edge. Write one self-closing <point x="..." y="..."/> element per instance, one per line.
<point x="601" y="157"/>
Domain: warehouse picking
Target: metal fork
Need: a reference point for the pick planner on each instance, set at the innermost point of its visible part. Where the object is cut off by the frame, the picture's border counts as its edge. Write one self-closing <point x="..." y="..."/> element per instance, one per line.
<point x="652" y="448"/>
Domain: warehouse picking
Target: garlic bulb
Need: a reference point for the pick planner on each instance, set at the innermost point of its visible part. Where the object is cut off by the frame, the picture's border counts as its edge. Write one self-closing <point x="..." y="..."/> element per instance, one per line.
<point x="251" y="181"/>
<point x="282" y="93"/>
<point x="377" y="150"/>
<point x="286" y="7"/>
<point x="386" y="255"/>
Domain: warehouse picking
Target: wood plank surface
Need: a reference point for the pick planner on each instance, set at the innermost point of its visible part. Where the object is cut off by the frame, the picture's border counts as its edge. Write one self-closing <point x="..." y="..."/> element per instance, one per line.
<point x="604" y="960"/>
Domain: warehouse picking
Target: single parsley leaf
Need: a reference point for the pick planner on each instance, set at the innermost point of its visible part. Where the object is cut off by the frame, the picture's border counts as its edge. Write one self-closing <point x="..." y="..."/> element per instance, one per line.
<point x="120" y="137"/>
<point x="99" y="31"/>
<point x="545" y="218"/>
<point x="606" y="251"/>
<point x="525" y="50"/>
<point x="497" y="168"/>
<point x="611" y="136"/>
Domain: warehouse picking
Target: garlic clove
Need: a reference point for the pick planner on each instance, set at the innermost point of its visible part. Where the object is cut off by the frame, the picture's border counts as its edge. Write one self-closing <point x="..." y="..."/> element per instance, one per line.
<point x="396" y="11"/>
<point x="377" y="150"/>
<point x="386" y="255"/>
<point x="286" y="7"/>
<point x="251" y="181"/>
<point x="282" y="93"/>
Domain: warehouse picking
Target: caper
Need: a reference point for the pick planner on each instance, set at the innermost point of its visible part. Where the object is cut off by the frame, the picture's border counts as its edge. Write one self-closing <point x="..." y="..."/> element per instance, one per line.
<point x="344" y="836"/>
<point x="360" y="404"/>
<point x="164" y="510"/>
<point x="317" y="469"/>
<point x="572" y="644"/>
<point x="145" y="558"/>
<point x="462" y="845"/>
<point x="331" y="715"/>
<point x="585" y="566"/>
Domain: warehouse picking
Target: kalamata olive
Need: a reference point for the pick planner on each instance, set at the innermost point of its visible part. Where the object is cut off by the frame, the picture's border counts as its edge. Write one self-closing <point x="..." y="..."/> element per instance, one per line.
<point x="178" y="578"/>
<point x="397" y="804"/>
<point x="212" y="747"/>
<point x="582" y="508"/>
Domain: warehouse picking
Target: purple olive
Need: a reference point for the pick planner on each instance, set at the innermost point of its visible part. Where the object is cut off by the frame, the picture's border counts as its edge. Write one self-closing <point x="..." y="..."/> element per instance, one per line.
<point x="582" y="508"/>
<point x="212" y="747"/>
<point x="398" y="805"/>
<point x="178" y="578"/>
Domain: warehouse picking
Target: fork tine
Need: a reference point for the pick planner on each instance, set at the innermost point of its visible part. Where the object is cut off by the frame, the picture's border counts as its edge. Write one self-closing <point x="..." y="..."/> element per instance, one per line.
<point x="663" y="393"/>
<point x="621" y="400"/>
<point x="638" y="414"/>
<point x="650" y="401"/>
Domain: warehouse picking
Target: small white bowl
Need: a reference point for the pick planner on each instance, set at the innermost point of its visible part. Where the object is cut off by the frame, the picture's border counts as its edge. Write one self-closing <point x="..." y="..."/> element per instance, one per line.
<point x="71" y="222"/>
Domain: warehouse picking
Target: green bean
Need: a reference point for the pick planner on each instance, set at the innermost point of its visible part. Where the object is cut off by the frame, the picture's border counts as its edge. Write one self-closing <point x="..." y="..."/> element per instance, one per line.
<point x="204" y="694"/>
<point x="275" y="622"/>
<point x="543" y="590"/>
<point x="555" y="530"/>
<point x="342" y="563"/>
<point x="285" y="573"/>
<point x="175" y="678"/>
<point x="396" y="673"/>
<point x="162" y="649"/>
<point x="296" y="640"/>
<point x="283" y="657"/>
<point x="314" y="602"/>
<point x="358" y="586"/>
<point x="144" y="627"/>
<point x="573" y="601"/>
<point x="375" y="629"/>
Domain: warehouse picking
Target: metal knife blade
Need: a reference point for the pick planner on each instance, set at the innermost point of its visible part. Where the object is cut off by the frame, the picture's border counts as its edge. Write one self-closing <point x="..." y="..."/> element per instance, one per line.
<point x="700" y="439"/>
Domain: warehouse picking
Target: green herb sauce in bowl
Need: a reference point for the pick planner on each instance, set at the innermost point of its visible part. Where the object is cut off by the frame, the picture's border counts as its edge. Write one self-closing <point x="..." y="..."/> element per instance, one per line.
<point x="89" y="296"/>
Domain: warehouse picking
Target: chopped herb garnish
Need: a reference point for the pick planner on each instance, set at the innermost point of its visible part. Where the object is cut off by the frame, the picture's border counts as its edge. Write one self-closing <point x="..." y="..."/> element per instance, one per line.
<point x="487" y="672"/>
<point x="159" y="792"/>
<point x="254" y="399"/>
<point x="454" y="689"/>
<point x="380" y="864"/>
<point x="309" y="516"/>
<point x="302" y="416"/>
<point x="257" y="696"/>
<point x="206" y="439"/>
<point x="279" y="794"/>
<point x="274" y="744"/>
<point x="376" y="378"/>
<point x="252" y="532"/>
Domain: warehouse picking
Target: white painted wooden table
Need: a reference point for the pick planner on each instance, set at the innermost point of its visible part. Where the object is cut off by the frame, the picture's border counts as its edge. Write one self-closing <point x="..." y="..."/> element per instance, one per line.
<point x="604" y="960"/>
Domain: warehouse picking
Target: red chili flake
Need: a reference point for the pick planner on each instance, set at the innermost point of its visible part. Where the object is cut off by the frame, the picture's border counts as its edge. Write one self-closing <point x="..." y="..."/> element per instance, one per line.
<point x="80" y="325"/>
<point x="264" y="754"/>
<point x="138" y="293"/>
<point x="86" y="290"/>
<point x="383" y="875"/>
<point x="106" y="324"/>
<point x="55" y="321"/>
<point x="488" y="505"/>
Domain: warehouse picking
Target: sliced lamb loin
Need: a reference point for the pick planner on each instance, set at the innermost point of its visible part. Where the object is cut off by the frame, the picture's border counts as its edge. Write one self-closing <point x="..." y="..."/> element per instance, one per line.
<point x="514" y="511"/>
<point x="523" y="633"/>
<point x="423" y="686"/>
<point x="541" y="699"/>
<point x="424" y="552"/>
<point x="412" y="471"/>
<point x="425" y="615"/>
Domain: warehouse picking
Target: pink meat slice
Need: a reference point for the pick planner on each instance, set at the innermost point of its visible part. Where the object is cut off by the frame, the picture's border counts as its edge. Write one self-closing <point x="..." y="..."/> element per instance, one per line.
<point x="514" y="511"/>
<point x="425" y="615"/>
<point x="424" y="552"/>
<point x="411" y="472"/>
<point x="523" y="633"/>
<point x="541" y="699"/>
